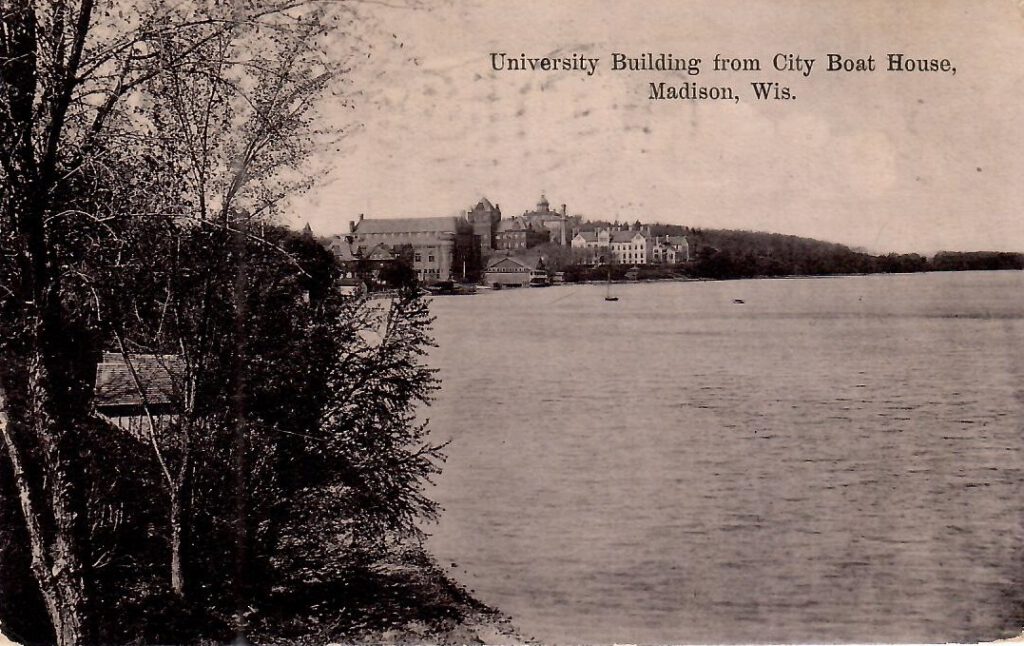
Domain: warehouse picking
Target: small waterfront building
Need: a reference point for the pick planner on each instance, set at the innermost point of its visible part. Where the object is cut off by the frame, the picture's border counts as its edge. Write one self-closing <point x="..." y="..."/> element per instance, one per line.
<point x="128" y="404"/>
<point x="514" y="271"/>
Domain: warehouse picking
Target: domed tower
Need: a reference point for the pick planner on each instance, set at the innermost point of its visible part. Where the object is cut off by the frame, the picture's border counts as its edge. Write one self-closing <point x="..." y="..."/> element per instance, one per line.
<point x="542" y="206"/>
<point x="556" y="222"/>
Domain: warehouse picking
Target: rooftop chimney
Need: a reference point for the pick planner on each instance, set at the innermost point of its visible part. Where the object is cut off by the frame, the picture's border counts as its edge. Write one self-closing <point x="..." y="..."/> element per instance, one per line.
<point x="351" y="226"/>
<point x="360" y="217"/>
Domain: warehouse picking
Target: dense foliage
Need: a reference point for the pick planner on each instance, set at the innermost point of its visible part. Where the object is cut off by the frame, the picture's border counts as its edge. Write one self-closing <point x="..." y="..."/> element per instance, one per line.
<point x="300" y="446"/>
<point x="147" y="147"/>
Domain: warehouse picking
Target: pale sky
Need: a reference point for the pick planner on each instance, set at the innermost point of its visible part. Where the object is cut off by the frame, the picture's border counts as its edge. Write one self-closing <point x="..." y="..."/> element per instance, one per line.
<point x="879" y="160"/>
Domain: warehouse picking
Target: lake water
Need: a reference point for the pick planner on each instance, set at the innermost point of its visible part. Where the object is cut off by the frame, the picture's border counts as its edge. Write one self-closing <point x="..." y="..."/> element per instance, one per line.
<point x="833" y="459"/>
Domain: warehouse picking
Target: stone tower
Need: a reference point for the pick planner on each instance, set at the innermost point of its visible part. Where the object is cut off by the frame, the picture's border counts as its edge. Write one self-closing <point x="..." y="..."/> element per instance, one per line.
<point x="485" y="217"/>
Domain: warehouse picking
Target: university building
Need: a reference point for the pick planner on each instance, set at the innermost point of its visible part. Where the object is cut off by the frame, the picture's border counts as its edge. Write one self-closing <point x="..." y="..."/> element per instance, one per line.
<point x="442" y="248"/>
<point x="485" y="219"/>
<point x="530" y="229"/>
<point x="450" y="247"/>
<point x="558" y="223"/>
<point x="670" y="250"/>
<point x="519" y="233"/>
<point x="631" y="246"/>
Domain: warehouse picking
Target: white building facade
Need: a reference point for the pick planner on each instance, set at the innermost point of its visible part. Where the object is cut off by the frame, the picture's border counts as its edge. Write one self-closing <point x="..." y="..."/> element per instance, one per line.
<point x="620" y="246"/>
<point x="631" y="246"/>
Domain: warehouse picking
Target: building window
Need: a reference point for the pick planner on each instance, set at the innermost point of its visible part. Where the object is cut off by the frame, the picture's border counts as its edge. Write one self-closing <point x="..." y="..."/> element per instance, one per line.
<point x="430" y="258"/>
<point x="418" y="258"/>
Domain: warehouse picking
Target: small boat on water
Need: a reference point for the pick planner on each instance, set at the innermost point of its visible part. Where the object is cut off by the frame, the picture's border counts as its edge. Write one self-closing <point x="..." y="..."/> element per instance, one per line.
<point x="608" y="289"/>
<point x="448" y="288"/>
<point x="539" y="278"/>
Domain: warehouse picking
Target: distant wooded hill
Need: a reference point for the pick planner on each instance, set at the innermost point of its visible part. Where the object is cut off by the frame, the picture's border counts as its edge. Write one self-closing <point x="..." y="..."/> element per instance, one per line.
<point x="725" y="253"/>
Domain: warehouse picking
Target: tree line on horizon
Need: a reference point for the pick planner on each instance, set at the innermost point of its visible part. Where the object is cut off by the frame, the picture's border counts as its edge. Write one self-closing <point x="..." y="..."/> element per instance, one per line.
<point x="740" y="254"/>
<point x="730" y="253"/>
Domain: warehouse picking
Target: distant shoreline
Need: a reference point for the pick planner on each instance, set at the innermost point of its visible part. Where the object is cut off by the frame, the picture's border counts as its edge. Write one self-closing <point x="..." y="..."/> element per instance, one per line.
<point x="692" y="279"/>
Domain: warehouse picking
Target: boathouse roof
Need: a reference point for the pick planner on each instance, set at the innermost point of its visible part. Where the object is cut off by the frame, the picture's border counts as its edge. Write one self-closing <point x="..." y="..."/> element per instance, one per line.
<point x="158" y="375"/>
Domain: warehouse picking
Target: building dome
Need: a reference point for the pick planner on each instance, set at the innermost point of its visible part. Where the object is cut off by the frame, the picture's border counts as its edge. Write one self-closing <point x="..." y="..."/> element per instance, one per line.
<point x="542" y="206"/>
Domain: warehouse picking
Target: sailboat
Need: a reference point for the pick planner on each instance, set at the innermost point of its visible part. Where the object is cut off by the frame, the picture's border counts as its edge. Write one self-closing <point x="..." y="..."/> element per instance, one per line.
<point x="608" y="290"/>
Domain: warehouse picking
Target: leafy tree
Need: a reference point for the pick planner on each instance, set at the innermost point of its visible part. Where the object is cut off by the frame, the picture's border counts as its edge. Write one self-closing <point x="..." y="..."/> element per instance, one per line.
<point x="131" y="111"/>
<point x="373" y="446"/>
<point x="400" y="273"/>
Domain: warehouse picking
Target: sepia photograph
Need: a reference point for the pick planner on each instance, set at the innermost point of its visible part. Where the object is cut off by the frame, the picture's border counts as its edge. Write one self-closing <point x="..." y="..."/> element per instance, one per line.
<point x="487" y="322"/>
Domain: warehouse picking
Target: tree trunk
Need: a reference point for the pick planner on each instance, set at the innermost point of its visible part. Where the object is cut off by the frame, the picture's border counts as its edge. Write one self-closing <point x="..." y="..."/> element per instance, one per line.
<point x="69" y="616"/>
<point x="177" y="576"/>
<point x="179" y="490"/>
<point x="180" y="503"/>
<point x="56" y="564"/>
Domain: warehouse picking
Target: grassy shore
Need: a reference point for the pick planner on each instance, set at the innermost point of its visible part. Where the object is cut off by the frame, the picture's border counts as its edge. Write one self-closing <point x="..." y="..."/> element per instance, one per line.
<point x="403" y="598"/>
<point x="417" y="603"/>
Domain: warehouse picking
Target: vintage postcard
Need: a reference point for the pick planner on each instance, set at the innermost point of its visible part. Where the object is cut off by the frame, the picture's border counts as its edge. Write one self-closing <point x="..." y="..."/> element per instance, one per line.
<point x="576" y="322"/>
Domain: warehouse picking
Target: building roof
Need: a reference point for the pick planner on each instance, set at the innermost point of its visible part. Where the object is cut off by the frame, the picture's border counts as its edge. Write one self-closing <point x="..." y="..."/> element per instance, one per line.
<point x="347" y="251"/>
<point x="379" y="252"/>
<point x="613" y="236"/>
<point x="529" y="262"/>
<point x="671" y="241"/>
<point x="518" y="223"/>
<point x="442" y="224"/>
<point x="342" y="249"/>
<point x="542" y="217"/>
<point x="625" y="236"/>
<point x="157" y="373"/>
<point x="513" y="224"/>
